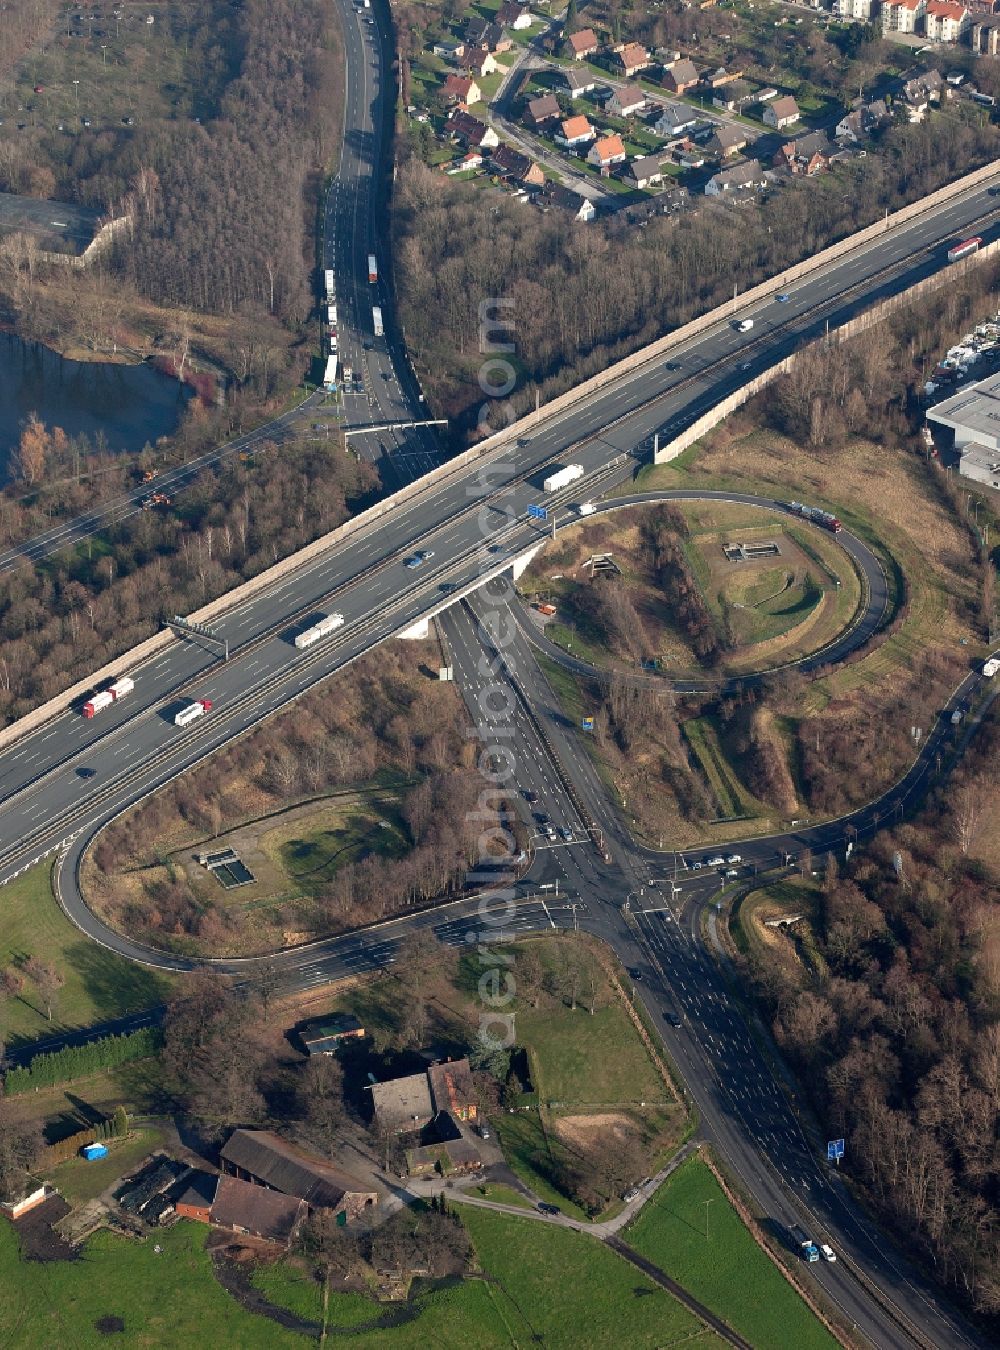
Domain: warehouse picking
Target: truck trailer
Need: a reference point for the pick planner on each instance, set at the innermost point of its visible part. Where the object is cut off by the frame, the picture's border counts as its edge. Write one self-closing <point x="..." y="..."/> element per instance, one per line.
<point x="372" y="269"/>
<point x="328" y="282"/>
<point x="327" y="625"/>
<point x="818" y="517"/>
<point x="192" y="712"/>
<point x="965" y="249"/>
<point x="377" y="321"/>
<point x="106" y="697"/>
<point x="806" y="1247"/>
<point x="330" y="374"/>
<point x="562" y="477"/>
<point x="991" y="667"/>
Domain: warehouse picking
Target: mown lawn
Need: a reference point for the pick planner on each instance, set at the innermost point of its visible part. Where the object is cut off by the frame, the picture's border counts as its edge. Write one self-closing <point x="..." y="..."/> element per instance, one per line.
<point x="79" y="1180"/>
<point x="97" y="984"/>
<point x="580" y="1058"/>
<point x="726" y="1270"/>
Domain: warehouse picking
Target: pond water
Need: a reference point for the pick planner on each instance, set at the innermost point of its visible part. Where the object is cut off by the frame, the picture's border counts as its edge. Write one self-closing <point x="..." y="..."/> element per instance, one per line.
<point x="129" y="404"/>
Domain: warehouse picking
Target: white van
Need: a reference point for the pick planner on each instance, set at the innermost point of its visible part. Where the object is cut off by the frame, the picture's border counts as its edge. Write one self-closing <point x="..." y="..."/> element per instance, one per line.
<point x="744" y="325"/>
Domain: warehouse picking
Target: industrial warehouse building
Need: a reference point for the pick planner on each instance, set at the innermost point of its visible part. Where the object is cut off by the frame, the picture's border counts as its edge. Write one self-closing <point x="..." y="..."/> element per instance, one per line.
<point x="973" y="417"/>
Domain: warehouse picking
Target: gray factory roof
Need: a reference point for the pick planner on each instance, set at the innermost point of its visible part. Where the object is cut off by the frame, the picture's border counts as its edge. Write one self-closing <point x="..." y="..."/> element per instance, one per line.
<point x="974" y="411"/>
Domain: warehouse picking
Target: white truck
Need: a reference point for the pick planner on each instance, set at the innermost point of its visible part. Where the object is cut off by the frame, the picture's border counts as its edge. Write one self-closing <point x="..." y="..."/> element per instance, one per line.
<point x="807" y="1248"/>
<point x="331" y="317"/>
<point x="106" y="697"/>
<point x="586" y="508"/>
<point x="991" y="667"/>
<point x="377" y="321"/>
<point x="328" y="282"/>
<point x="372" y="269"/>
<point x="562" y="477"/>
<point x="327" y="625"/>
<point x="192" y="712"/>
<point x="330" y="374"/>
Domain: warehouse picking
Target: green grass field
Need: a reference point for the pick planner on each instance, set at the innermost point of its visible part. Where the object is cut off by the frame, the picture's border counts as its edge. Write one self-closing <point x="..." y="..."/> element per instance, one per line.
<point x="79" y="1180"/>
<point x="726" y="1270"/>
<point x="580" y="1058"/>
<point x="98" y="984"/>
<point x="529" y="1154"/>
<point x="562" y="1289"/>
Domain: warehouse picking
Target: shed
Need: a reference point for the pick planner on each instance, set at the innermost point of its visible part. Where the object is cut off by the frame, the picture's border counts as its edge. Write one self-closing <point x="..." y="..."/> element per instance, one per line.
<point x="196" y="1199"/>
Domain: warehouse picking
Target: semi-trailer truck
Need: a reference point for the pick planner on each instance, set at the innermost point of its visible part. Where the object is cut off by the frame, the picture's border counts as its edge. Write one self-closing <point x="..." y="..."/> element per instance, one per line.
<point x="807" y="1248"/>
<point x="377" y="321"/>
<point x="818" y="517"/>
<point x="106" y="697"/>
<point x="331" y="317"/>
<point x="372" y="269"/>
<point x="327" y="625"/>
<point x="328" y="282"/>
<point x="330" y="374"/>
<point x="192" y="712"/>
<point x="562" y="477"/>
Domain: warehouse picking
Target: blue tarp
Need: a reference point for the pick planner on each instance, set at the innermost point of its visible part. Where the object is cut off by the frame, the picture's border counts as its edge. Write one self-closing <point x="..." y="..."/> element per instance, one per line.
<point x="92" y="1151"/>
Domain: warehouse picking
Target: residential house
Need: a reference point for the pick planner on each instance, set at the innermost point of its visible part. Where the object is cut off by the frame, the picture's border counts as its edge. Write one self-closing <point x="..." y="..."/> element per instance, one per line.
<point x="732" y="97"/>
<point x="454" y="1155"/>
<point x="470" y="131"/>
<point x="541" y="110"/>
<point x="902" y="16"/>
<point x="402" y="1104"/>
<point x="806" y="156"/>
<point x="461" y="89"/>
<point x="476" y="30"/>
<point x="255" y="1212"/>
<point x="856" y="11"/>
<point x="450" y="48"/>
<point x="626" y="102"/>
<point x="921" y="92"/>
<point x="452" y="1090"/>
<point x="630" y="59"/>
<point x="486" y="35"/>
<point x="863" y="121"/>
<point x="985" y="34"/>
<point x="478" y="62"/>
<point x="512" y="14"/>
<point x="741" y="178"/>
<point x="645" y="171"/>
<point x="325" y="1035"/>
<point x="783" y="112"/>
<point x="575" y="131"/>
<point x="268" y="1160"/>
<point x="680" y="76"/>
<point x="726" y="140"/>
<point x="196" y="1199"/>
<point x="674" y="120"/>
<point x="716" y="79"/>
<point x="518" y="168"/>
<point x="581" y="45"/>
<point x="555" y="196"/>
<point x="945" y="21"/>
<point x="665" y="203"/>
<point x="765" y="95"/>
<point x="472" y="159"/>
<point x="578" y="81"/>
<point x="606" y="152"/>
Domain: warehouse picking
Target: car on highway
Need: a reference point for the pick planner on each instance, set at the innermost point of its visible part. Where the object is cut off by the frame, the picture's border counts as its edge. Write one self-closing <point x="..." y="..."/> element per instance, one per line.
<point x="634" y="973"/>
<point x="732" y="872"/>
<point x="549" y="831"/>
<point x="567" y="834"/>
<point x="697" y="866"/>
<point x="673" y="1019"/>
<point x="717" y="861"/>
<point x="528" y="795"/>
<point x="783" y="299"/>
<point x="672" y="365"/>
<point x="85" y="772"/>
<point x="827" y="1252"/>
<point x="546" y="1208"/>
<point x="734" y="858"/>
<point x="418" y="559"/>
<point x="743" y="325"/>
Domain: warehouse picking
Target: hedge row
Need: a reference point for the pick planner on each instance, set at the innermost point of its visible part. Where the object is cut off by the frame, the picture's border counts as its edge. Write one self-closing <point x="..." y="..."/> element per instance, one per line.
<point x="112" y="1127"/>
<point x="78" y="1061"/>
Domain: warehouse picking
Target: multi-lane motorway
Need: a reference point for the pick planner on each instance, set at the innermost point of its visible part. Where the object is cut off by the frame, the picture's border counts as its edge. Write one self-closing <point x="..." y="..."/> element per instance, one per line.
<point x="59" y="784"/>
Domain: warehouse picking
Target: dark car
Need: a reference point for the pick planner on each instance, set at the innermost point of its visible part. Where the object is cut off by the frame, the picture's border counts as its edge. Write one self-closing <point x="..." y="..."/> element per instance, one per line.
<point x="548" y="1209"/>
<point x="634" y="973"/>
<point x="673" y="365"/>
<point x="673" y="1019"/>
<point x="85" y="773"/>
<point x="530" y="796"/>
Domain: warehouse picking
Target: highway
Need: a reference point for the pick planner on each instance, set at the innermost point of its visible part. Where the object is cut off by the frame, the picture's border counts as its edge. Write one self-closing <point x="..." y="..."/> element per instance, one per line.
<point x="60" y="784"/>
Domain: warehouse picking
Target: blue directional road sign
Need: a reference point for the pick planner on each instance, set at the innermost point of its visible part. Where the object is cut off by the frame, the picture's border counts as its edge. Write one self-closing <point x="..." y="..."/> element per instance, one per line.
<point x="537" y="512"/>
<point x="835" y="1150"/>
<point x="587" y="723"/>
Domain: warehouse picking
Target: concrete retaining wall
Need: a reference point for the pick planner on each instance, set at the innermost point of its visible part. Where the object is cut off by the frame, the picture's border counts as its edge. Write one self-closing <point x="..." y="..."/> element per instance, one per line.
<point x="488" y="448"/>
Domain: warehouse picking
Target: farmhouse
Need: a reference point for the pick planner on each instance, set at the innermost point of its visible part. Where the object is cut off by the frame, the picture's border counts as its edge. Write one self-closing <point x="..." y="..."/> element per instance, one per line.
<point x="268" y="1160"/>
<point x="253" y="1211"/>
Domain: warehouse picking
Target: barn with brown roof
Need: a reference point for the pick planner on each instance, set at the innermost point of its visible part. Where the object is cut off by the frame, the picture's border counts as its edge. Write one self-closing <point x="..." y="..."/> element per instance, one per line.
<point x="254" y="1211"/>
<point x="268" y="1160"/>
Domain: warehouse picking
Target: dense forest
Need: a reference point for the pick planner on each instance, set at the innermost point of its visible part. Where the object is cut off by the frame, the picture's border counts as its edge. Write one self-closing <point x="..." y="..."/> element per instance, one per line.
<point x="892" y="1021"/>
<point x="236" y="519"/>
